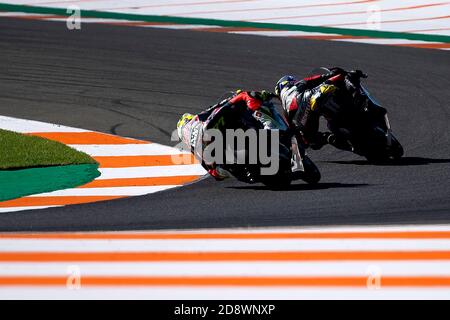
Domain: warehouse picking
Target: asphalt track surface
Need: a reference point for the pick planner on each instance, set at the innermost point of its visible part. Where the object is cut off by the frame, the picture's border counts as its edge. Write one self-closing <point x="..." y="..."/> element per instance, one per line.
<point x="137" y="82"/>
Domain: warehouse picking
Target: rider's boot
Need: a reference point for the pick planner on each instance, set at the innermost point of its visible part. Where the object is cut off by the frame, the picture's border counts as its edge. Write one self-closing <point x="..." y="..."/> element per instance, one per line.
<point x="339" y="142"/>
<point x="219" y="173"/>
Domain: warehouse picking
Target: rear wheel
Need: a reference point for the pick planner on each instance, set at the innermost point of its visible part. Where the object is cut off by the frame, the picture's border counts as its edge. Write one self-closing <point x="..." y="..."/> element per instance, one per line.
<point x="396" y="150"/>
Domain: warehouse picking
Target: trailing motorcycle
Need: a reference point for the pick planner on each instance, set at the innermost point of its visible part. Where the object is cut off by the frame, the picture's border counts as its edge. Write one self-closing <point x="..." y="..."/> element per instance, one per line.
<point x="359" y="123"/>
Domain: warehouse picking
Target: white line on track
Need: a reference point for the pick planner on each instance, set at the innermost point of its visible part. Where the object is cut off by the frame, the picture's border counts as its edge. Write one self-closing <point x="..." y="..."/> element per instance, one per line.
<point x="282" y="245"/>
<point x="325" y="229"/>
<point x="155" y="171"/>
<point x="180" y="26"/>
<point x="14" y="209"/>
<point x="388" y="41"/>
<point x="222" y="293"/>
<point x="276" y="33"/>
<point x="153" y="149"/>
<point x="255" y="269"/>
<point x="29" y="126"/>
<point x="113" y="191"/>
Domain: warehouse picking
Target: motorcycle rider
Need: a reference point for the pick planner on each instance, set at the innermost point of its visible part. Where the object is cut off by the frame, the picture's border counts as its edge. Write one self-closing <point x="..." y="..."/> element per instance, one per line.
<point x="306" y="100"/>
<point x="191" y="127"/>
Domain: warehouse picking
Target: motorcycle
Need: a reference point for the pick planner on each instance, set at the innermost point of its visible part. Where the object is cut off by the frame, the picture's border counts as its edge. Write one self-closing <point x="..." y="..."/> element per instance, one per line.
<point x="293" y="162"/>
<point x="360" y="124"/>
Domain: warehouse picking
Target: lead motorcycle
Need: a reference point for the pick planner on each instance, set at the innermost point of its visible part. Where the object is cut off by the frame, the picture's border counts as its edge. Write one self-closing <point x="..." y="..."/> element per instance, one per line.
<point x="293" y="162"/>
<point x="359" y="123"/>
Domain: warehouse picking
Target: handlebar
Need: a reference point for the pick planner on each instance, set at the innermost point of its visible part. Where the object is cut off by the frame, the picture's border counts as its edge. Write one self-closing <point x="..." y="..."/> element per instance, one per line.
<point x="352" y="73"/>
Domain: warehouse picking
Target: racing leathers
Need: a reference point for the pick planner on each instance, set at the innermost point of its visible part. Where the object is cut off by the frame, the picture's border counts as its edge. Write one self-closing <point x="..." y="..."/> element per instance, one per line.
<point x="192" y="131"/>
<point x="304" y="103"/>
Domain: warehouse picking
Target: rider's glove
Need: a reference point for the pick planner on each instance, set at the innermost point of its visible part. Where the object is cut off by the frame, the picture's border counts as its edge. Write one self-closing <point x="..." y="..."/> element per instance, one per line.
<point x="356" y="75"/>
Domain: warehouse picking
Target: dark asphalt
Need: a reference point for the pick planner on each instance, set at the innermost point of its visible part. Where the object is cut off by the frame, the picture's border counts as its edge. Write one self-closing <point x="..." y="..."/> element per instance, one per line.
<point x="137" y="82"/>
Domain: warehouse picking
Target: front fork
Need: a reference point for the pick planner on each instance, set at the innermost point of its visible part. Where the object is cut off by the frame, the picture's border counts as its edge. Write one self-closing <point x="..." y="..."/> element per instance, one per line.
<point x="297" y="158"/>
<point x="389" y="131"/>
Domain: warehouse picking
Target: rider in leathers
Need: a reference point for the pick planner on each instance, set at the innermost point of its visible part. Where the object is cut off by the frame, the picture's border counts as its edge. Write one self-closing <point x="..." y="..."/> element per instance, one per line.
<point x="191" y="127"/>
<point x="306" y="100"/>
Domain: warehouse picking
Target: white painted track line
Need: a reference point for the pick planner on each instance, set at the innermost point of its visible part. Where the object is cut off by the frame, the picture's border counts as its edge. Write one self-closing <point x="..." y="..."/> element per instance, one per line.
<point x="223" y="293"/>
<point x="255" y="269"/>
<point x="235" y="245"/>
<point x="155" y="171"/>
<point x="15" y="209"/>
<point x="28" y="126"/>
<point x="114" y="191"/>
<point x="127" y="150"/>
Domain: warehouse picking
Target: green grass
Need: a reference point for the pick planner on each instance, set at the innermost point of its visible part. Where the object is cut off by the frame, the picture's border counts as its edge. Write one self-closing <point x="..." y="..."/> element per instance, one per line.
<point x="19" y="151"/>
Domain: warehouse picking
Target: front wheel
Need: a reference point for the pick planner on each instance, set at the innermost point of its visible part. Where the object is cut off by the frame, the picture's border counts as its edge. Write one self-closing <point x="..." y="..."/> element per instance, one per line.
<point x="311" y="173"/>
<point x="394" y="152"/>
